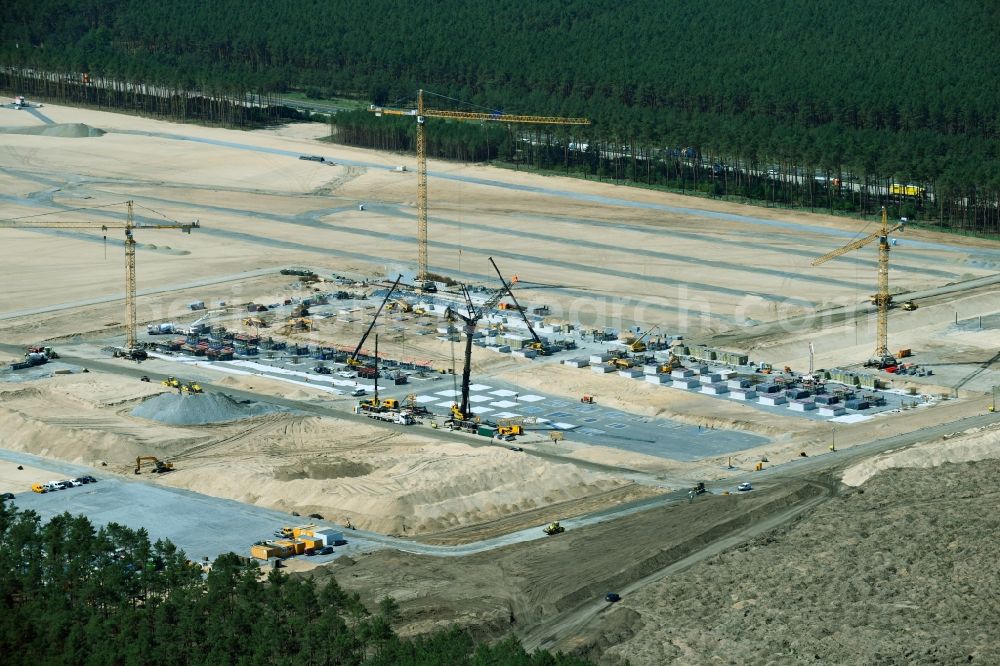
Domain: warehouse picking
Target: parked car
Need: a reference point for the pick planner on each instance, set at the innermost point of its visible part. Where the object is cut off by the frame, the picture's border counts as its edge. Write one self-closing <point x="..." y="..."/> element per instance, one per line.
<point x="65" y="485"/>
<point x="74" y="483"/>
<point x="88" y="479"/>
<point x="515" y="448"/>
<point x="358" y="392"/>
<point x="612" y="597"/>
<point x="743" y="487"/>
<point x="325" y="550"/>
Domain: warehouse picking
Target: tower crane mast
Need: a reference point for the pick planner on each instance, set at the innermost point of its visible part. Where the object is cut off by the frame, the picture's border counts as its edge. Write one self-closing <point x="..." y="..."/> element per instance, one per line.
<point x="881" y="358"/>
<point x="131" y="349"/>
<point x="421" y="114"/>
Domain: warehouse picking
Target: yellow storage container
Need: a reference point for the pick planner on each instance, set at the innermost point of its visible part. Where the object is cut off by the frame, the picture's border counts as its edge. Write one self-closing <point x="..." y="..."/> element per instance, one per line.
<point x="313" y="542"/>
<point x="264" y="552"/>
<point x="306" y="530"/>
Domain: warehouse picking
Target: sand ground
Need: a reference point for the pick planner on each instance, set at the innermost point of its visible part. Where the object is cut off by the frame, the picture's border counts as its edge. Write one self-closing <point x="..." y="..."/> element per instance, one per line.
<point x="594" y="252"/>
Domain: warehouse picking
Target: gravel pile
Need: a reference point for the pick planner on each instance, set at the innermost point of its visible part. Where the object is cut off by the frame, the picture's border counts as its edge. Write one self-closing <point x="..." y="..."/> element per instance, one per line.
<point x="175" y="409"/>
<point x="63" y="130"/>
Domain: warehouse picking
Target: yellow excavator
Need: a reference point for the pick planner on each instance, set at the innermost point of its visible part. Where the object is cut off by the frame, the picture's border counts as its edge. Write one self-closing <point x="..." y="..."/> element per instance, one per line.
<point x="159" y="467"/>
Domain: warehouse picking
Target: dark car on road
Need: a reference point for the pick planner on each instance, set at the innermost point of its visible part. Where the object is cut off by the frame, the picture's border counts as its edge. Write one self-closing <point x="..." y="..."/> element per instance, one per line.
<point x="612" y="597"/>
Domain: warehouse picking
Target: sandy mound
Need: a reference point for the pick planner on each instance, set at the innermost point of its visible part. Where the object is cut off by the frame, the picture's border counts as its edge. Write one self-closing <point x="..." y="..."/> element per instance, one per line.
<point x="63" y="131"/>
<point x="197" y="409"/>
<point x="971" y="447"/>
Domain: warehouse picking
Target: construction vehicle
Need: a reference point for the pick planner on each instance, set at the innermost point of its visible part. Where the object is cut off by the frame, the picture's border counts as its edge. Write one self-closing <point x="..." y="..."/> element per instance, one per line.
<point x="192" y="387"/>
<point x="353" y="358"/>
<point x="909" y="306"/>
<point x="461" y="413"/>
<point x="536" y="344"/>
<point x="553" y="528"/>
<point x="637" y="345"/>
<point x="421" y="114"/>
<point x="622" y="363"/>
<point x="699" y="489"/>
<point x="159" y="467"/>
<point x="390" y="403"/>
<point x="587" y="399"/>
<point x="172" y="382"/>
<point x="881" y="358"/>
<point x="255" y="322"/>
<point x="37" y="488"/>
<point x="131" y="350"/>
<point x="514" y="429"/>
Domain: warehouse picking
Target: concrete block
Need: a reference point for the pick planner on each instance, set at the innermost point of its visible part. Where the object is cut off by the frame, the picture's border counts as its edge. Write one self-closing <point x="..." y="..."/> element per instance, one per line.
<point x="743" y="394"/>
<point x="727" y="375"/>
<point x="717" y="388"/>
<point x="710" y="378"/>
<point x="830" y="410"/>
<point x="651" y="369"/>
<point x="658" y="379"/>
<point x="525" y="353"/>
<point x="772" y="399"/>
<point x="601" y="369"/>
<point x="682" y="373"/>
<point x="801" y="405"/>
<point x="599" y="358"/>
<point x="631" y="373"/>
<point x="738" y="383"/>
<point x="685" y="382"/>
<point x="576" y="362"/>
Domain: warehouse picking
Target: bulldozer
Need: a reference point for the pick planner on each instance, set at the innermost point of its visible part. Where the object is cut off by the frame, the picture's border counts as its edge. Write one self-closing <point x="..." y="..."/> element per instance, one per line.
<point x="159" y="467"/>
<point x="514" y="429"/>
<point x="172" y="382"/>
<point x="192" y="387"/>
<point x="553" y="528"/>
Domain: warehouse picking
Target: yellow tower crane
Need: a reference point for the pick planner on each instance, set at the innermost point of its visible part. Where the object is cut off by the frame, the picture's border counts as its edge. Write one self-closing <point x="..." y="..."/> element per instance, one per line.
<point x="882" y="299"/>
<point x="421" y="113"/>
<point x="131" y="349"/>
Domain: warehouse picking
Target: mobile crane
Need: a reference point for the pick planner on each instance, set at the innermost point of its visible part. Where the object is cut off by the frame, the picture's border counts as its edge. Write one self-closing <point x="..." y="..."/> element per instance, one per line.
<point x="536" y="343"/>
<point x="461" y="414"/>
<point x="353" y="359"/>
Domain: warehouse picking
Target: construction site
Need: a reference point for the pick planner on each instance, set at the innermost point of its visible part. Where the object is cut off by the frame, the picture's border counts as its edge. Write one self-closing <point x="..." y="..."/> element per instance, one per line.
<point x="434" y="370"/>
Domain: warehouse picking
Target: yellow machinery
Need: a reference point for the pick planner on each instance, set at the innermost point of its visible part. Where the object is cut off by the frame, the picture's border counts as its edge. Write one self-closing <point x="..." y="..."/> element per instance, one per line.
<point x="881" y="358"/>
<point x="390" y="403"/>
<point x="192" y="387"/>
<point x="622" y="363"/>
<point x="33" y="222"/>
<point x="352" y="360"/>
<point x="159" y="467"/>
<point x="255" y="322"/>
<point x="172" y="382"/>
<point x="909" y="306"/>
<point x="514" y="429"/>
<point x="637" y="345"/>
<point x="421" y="114"/>
<point x="553" y="528"/>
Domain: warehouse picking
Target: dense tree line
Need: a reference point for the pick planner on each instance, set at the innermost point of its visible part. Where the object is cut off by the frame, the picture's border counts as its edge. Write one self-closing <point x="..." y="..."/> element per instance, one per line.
<point x="878" y="92"/>
<point x="70" y="593"/>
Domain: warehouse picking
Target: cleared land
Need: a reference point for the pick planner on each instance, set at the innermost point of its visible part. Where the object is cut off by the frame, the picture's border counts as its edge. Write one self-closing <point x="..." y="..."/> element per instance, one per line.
<point x="724" y="273"/>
